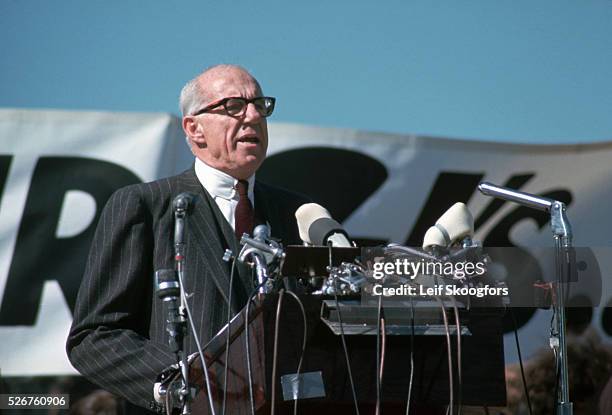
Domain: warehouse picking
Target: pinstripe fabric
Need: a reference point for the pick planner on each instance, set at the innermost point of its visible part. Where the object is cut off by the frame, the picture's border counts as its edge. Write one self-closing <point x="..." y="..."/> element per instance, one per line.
<point x="118" y="337"/>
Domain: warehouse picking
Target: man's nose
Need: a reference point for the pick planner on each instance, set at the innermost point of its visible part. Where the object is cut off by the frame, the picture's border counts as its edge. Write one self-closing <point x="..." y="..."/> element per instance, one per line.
<point x="251" y="114"/>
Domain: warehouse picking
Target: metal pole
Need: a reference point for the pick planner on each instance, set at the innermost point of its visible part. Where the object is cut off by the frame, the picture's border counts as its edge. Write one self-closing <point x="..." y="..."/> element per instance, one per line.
<point x="563" y="242"/>
<point x="562" y="233"/>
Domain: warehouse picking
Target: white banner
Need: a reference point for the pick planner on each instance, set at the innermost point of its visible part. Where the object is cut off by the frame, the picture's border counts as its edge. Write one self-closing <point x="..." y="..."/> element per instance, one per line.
<point x="57" y="168"/>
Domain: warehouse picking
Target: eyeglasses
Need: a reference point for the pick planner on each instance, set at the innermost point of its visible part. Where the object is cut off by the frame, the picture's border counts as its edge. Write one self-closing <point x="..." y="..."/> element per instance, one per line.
<point x="236" y="106"/>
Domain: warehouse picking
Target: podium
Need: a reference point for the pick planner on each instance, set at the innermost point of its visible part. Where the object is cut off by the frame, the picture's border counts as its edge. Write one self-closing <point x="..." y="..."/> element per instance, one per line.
<point x="483" y="381"/>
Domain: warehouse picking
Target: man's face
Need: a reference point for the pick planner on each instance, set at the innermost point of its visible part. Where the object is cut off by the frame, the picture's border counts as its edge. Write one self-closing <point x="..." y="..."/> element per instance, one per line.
<point x="235" y="145"/>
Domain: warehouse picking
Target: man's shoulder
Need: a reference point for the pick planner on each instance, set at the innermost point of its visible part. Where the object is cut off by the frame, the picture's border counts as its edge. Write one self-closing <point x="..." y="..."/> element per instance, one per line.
<point x="156" y="191"/>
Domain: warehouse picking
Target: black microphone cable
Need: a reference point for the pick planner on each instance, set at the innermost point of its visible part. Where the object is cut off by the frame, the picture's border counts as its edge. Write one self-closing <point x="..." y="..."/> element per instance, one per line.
<point x="379" y="354"/>
<point x="557" y="376"/>
<point x="305" y="336"/>
<point x="384" y="349"/>
<point x="227" y="337"/>
<point x="199" y="346"/>
<point x="345" y="349"/>
<point x="346" y="355"/>
<point x="248" y="345"/>
<point x="279" y="305"/>
<point x="518" y="349"/>
<point x="450" y="357"/>
<point x="282" y="292"/>
<point x="411" y="356"/>
<point x="275" y="348"/>
<point x="458" y="328"/>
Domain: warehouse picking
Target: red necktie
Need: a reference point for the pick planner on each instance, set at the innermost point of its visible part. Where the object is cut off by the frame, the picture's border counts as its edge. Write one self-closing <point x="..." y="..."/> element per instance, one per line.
<point x="244" y="216"/>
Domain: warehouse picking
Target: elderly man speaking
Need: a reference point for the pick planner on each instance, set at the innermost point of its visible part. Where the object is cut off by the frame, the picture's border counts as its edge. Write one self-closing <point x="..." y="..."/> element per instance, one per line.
<point x="118" y="338"/>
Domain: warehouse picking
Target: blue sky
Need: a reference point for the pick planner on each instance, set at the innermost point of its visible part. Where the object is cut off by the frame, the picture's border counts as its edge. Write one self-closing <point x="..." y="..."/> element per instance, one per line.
<point x="519" y="71"/>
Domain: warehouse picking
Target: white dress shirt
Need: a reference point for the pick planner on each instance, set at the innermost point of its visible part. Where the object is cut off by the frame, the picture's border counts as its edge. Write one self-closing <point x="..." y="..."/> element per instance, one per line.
<point x="222" y="187"/>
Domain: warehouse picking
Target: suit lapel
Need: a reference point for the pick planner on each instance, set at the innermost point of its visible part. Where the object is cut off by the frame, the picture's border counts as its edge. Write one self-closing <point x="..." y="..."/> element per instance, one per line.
<point x="213" y="235"/>
<point x="243" y="284"/>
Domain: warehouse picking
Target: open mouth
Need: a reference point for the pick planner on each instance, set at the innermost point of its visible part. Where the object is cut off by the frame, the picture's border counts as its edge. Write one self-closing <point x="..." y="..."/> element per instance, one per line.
<point x="252" y="139"/>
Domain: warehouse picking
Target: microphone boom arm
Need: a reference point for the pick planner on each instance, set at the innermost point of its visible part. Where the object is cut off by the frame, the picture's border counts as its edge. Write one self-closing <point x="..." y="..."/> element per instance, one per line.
<point x="562" y="233"/>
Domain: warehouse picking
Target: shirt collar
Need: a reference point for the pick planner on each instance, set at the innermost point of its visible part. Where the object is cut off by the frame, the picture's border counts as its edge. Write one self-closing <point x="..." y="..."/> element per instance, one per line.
<point x="220" y="184"/>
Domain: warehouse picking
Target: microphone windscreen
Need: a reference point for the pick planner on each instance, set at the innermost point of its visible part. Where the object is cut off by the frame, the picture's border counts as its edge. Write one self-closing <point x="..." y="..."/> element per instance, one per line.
<point x="434" y="237"/>
<point x="323" y="228"/>
<point x="306" y="215"/>
<point x="183" y="201"/>
<point x="455" y="224"/>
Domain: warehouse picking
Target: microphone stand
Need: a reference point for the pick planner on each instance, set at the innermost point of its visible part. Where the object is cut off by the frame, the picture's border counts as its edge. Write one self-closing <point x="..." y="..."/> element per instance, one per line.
<point x="563" y="260"/>
<point x="179" y="261"/>
<point x="562" y="234"/>
<point x="168" y="290"/>
<point x="179" y="320"/>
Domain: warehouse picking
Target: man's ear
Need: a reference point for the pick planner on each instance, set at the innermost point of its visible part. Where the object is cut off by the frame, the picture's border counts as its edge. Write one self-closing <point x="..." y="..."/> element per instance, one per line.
<point x="193" y="130"/>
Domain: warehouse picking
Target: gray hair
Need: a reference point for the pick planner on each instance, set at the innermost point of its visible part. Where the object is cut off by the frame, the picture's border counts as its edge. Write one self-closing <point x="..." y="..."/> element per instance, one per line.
<point x="190" y="100"/>
<point x="191" y="97"/>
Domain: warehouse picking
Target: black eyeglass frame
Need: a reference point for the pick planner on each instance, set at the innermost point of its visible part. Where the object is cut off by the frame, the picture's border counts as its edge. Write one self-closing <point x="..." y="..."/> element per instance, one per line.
<point x="223" y="102"/>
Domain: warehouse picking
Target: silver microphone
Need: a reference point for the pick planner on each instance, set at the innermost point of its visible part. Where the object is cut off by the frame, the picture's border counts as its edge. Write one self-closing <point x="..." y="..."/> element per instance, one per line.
<point x="522" y="198"/>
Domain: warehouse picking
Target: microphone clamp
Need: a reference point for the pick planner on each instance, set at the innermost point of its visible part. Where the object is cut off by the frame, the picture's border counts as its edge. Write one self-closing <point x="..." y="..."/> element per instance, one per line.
<point x="260" y="252"/>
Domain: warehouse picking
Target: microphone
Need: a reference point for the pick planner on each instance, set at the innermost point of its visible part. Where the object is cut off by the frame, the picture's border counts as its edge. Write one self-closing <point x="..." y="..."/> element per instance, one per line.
<point x="261" y="233"/>
<point x="261" y="252"/>
<point x="181" y="205"/>
<point x="317" y="227"/>
<point x="168" y="290"/>
<point x="558" y="220"/>
<point x="166" y="285"/>
<point x="455" y="224"/>
<point x="522" y="198"/>
<point x="261" y="242"/>
<point x="182" y="202"/>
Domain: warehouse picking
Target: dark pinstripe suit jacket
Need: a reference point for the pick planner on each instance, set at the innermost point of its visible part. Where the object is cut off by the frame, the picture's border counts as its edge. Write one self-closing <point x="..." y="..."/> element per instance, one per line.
<point x="118" y="337"/>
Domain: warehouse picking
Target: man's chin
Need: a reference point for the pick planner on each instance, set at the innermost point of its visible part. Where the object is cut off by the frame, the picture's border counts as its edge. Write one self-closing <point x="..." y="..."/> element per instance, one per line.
<point x="248" y="166"/>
